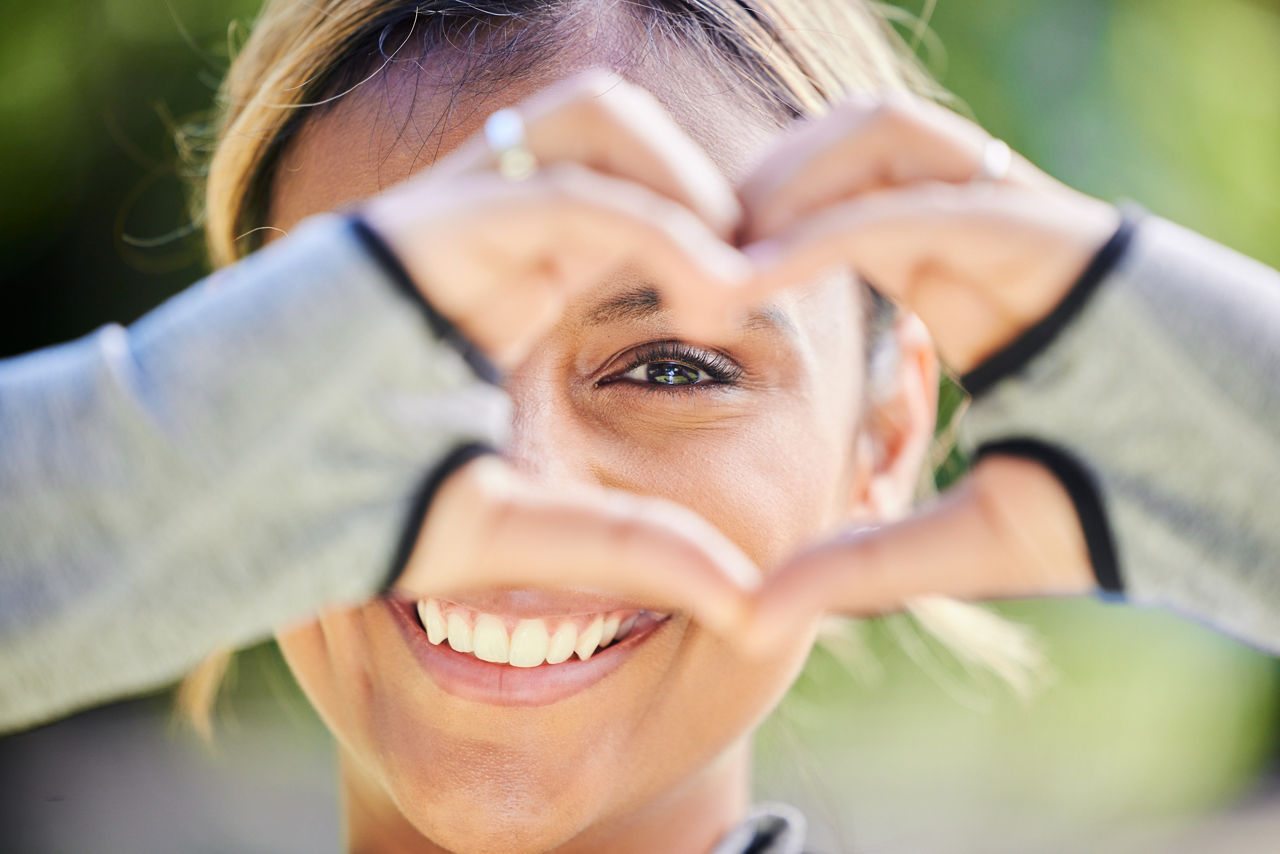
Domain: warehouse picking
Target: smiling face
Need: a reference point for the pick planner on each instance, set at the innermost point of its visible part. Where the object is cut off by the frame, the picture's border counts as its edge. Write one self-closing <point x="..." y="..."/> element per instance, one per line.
<point x="755" y="432"/>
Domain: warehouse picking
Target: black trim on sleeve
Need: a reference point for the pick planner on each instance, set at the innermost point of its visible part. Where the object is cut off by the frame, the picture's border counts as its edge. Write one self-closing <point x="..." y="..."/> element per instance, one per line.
<point x="1037" y="337"/>
<point x="1084" y="493"/>
<point x="453" y="461"/>
<point x="442" y="326"/>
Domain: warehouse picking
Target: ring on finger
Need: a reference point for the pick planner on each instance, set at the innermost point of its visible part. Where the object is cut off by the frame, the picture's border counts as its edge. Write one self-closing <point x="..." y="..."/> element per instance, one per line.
<point x="504" y="132"/>
<point x="997" y="160"/>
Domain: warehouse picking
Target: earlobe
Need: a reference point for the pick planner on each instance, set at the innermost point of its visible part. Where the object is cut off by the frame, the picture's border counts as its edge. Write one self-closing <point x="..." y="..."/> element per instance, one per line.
<point x="897" y="431"/>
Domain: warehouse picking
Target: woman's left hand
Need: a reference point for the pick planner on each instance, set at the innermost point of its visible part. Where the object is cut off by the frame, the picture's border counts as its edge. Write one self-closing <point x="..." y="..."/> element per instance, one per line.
<point x="897" y="191"/>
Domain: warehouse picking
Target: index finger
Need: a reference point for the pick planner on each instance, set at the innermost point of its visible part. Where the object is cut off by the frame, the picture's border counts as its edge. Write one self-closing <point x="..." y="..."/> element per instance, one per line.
<point x="600" y="120"/>
<point x="864" y="144"/>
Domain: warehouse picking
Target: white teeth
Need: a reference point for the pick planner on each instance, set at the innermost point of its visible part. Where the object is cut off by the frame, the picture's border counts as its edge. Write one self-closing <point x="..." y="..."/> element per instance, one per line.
<point x="562" y="643"/>
<point x="589" y="640"/>
<point x="491" y="639"/>
<point x="460" y="634"/>
<point x="529" y="643"/>
<point x="609" y="630"/>
<point x="432" y="620"/>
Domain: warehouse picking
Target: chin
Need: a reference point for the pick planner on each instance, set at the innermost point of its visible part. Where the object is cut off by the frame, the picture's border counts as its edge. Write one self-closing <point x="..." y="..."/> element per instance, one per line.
<point x="475" y="798"/>
<point x="431" y="757"/>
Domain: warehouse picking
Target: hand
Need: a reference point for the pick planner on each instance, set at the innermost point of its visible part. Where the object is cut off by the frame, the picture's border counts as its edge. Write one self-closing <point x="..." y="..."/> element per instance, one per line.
<point x="889" y="189"/>
<point x="978" y="263"/>
<point x="618" y="180"/>
<point x="490" y="527"/>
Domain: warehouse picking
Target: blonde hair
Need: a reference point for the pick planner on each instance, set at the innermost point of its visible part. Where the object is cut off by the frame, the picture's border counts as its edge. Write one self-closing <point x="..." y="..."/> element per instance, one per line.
<point x="792" y="57"/>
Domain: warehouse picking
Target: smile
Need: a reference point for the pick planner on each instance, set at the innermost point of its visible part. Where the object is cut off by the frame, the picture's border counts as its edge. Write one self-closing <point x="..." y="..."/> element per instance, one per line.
<point x="503" y="659"/>
<point x="530" y="642"/>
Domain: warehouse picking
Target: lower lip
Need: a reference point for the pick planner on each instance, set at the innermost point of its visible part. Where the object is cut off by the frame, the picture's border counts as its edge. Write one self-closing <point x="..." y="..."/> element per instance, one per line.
<point x="466" y="676"/>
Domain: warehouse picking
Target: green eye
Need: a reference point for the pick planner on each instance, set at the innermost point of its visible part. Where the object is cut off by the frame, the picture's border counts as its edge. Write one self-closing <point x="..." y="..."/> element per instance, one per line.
<point x="672" y="364"/>
<point x="667" y="373"/>
<point x="671" y="373"/>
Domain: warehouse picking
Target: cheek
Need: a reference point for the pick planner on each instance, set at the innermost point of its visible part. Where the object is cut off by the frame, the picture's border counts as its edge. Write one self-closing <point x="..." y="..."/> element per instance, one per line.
<point x="770" y="481"/>
<point x="326" y="657"/>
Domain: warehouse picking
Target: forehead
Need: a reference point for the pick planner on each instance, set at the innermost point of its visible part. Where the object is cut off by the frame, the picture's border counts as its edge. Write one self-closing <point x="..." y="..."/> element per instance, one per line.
<point x="403" y="119"/>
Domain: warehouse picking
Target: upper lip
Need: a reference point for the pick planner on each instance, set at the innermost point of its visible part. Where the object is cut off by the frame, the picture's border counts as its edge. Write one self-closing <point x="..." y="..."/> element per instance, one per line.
<point x="540" y="603"/>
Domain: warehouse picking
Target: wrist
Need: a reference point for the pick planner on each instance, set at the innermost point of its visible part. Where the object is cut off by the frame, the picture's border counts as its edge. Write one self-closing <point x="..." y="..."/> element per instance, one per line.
<point x="1098" y="262"/>
<point x="444" y="327"/>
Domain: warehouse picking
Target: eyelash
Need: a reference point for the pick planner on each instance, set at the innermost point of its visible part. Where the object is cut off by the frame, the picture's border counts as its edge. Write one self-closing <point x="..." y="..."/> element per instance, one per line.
<point x="720" y="368"/>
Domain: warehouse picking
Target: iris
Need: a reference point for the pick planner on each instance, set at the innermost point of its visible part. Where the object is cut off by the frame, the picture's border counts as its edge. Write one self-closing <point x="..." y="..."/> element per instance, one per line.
<point x="672" y="373"/>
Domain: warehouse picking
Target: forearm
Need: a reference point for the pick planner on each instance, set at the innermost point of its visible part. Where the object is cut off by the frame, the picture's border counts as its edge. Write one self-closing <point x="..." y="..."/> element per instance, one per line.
<point x="243" y="456"/>
<point x="1164" y="389"/>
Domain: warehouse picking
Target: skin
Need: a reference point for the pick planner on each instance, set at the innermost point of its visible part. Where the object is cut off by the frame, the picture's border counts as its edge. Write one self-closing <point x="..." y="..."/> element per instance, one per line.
<point x="655" y="756"/>
<point x="694" y="206"/>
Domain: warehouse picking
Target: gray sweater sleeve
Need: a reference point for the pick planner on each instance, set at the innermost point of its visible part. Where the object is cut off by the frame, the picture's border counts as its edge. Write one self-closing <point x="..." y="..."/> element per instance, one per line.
<point x="243" y="456"/>
<point x="1156" y="399"/>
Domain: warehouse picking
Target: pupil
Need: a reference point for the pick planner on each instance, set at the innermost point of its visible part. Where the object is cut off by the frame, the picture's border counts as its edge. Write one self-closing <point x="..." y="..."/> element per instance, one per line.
<point x="672" y="373"/>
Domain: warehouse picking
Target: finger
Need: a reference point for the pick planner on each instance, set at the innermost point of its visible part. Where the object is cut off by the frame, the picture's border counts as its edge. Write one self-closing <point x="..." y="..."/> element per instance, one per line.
<point x="697" y="274"/>
<point x="602" y="121"/>
<point x="884" y="235"/>
<point x="976" y="263"/>
<point x="861" y="146"/>
<point x="518" y="534"/>
<point x="1008" y="530"/>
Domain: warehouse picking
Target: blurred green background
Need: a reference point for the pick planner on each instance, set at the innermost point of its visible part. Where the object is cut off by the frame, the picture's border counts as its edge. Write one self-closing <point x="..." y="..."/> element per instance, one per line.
<point x="1151" y="735"/>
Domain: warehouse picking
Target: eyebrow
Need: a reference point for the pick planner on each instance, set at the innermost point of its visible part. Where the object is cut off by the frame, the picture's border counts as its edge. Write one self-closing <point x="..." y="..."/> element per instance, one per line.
<point x="643" y="303"/>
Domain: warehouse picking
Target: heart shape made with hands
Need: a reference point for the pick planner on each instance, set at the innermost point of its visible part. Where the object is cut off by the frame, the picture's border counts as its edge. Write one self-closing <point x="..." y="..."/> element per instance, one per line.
<point x="887" y="188"/>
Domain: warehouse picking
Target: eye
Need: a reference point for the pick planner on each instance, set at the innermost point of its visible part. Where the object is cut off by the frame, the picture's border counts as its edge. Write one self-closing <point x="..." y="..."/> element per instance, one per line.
<point x="667" y="373"/>
<point x="668" y="364"/>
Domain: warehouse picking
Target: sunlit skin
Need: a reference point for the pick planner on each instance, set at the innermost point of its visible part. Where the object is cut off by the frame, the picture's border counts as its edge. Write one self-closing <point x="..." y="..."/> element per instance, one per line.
<point x="767" y="438"/>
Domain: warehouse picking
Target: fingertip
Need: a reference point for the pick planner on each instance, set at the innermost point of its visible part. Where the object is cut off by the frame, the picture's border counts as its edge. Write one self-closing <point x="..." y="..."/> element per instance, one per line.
<point x="723" y="212"/>
<point x="726" y="616"/>
<point x="764" y="253"/>
<point x="764" y="631"/>
<point x="715" y="313"/>
<point x="729" y="265"/>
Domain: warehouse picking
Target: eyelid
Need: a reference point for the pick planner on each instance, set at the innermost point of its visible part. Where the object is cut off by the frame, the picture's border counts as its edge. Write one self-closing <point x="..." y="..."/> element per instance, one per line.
<point x="720" y="367"/>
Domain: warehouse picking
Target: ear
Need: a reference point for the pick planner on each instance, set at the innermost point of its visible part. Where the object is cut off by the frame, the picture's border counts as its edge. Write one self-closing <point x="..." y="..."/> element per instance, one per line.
<point x="897" y="428"/>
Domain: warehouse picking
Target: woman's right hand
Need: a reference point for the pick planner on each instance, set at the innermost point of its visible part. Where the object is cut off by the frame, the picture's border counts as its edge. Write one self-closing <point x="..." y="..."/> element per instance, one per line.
<point x="618" y="180"/>
<point x="491" y="527"/>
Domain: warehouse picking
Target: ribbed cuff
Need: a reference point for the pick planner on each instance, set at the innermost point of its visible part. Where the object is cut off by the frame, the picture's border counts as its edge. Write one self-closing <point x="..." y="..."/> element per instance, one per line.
<point x="442" y="326"/>
<point x="412" y="527"/>
<point x="1084" y="494"/>
<point x="1036" y="338"/>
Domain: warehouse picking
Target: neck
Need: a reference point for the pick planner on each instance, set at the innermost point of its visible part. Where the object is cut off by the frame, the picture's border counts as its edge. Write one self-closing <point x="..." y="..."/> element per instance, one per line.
<point x="686" y="820"/>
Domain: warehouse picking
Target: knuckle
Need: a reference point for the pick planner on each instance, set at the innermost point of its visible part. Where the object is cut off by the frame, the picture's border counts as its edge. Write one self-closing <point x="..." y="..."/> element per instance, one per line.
<point x="894" y="114"/>
<point x="592" y="109"/>
<point x="562" y="180"/>
<point x="602" y="99"/>
<point x="628" y="532"/>
<point x="596" y="82"/>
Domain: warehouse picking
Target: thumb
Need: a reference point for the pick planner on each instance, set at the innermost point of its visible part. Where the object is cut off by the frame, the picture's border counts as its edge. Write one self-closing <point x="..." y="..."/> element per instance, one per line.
<point x="1009" y="529"/>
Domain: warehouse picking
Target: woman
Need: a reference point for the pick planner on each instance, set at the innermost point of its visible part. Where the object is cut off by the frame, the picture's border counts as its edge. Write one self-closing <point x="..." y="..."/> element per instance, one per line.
<point x="633" y="379"/>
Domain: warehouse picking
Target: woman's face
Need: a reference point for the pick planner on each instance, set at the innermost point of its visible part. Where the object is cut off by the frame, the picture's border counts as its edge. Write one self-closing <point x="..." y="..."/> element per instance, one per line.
<point x="759" y="440"/>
